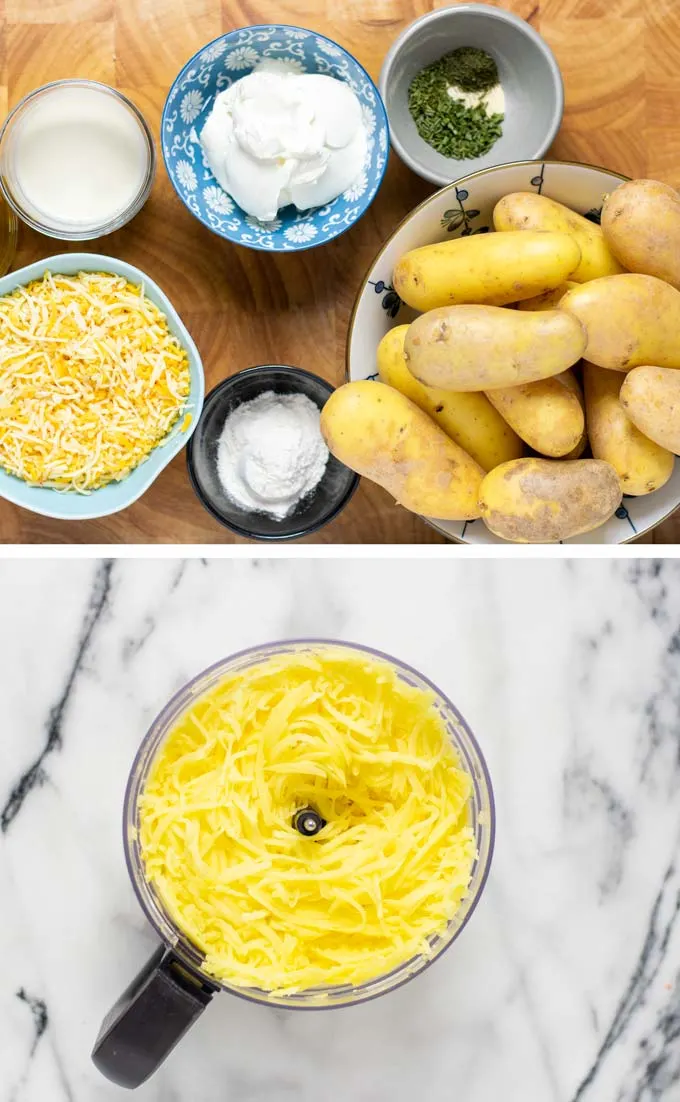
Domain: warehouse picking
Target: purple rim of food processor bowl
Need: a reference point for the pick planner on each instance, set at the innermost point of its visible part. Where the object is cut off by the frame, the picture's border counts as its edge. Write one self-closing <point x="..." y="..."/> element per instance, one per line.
<point x="483" y="823"/>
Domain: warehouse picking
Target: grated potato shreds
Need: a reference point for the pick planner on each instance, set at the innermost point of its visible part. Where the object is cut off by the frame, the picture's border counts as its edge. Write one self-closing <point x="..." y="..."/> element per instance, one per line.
<point x="91" y="380"/>
<point x="268" y="907"/>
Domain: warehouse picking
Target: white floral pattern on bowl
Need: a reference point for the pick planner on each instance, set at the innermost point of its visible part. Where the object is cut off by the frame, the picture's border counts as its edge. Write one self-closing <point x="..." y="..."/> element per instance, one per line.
<point x="217" y="199"/>
<point x="191" y="105"/>
<point x="243" y="57"/>
<point x="460" y="210"/>
<point x="301" y="233"/>
<point x="215" y="50"/>
<point x="189" y="102"/>
<point x="186" y="175"/>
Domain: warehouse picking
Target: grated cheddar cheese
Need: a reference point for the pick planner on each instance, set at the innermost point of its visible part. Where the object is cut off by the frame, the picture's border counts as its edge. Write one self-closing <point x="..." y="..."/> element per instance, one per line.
<point x="268" y="907"/>
<point x="91" y="380"/>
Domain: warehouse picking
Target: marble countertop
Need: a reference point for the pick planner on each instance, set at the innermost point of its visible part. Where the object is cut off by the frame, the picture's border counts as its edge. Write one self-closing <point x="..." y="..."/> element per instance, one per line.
<point x="564" y="987"/>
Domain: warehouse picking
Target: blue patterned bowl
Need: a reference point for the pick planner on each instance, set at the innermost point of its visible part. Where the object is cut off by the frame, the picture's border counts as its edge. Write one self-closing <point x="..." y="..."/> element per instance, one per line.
<point x="459" y="210"/>
<point x="188" y="105"/>
<point x="116" y="495"/>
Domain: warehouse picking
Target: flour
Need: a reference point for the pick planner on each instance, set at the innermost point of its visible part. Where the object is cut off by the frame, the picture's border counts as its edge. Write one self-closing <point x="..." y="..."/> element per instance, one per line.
<point x="271" y="453"/>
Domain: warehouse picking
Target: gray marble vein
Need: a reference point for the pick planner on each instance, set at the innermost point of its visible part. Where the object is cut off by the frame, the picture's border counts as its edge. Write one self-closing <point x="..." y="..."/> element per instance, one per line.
<point x="565" y="987"/>
<point x="35" y="774"/>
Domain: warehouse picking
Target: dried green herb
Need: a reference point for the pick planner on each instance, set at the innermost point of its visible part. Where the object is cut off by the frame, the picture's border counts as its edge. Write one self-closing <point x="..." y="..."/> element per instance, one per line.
<point x="471" y="69"/>
<point x="445" y="123"/>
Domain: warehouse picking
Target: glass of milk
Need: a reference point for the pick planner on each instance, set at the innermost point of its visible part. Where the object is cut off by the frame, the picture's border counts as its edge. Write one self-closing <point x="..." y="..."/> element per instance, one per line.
<point x="77" y="159"/>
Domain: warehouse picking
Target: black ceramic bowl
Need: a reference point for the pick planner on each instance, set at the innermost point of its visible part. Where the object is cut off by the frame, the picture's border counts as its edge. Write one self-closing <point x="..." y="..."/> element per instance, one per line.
<point x="316" y="509"/>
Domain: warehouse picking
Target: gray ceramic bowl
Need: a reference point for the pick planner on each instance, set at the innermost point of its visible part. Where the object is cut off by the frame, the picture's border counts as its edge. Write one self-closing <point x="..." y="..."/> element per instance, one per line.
<point x="529" y="75"/>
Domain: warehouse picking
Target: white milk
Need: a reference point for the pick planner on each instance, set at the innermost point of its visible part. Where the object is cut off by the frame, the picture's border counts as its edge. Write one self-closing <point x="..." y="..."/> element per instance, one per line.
<point x="78" y="157"/>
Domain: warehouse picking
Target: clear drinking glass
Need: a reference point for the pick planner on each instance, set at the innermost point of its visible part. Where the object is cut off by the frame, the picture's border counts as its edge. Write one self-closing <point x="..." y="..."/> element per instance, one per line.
<point x="170" y="993"/>
<point x="12" y="191"/>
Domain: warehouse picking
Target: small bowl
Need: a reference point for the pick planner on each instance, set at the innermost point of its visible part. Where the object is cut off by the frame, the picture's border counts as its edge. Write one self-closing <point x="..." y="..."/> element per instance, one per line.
<point x="116" y="495"/>
<point x="69" y="231"/>
<point x="463" y="208"/>
<point x="190" y="101"/>
<point x="528" y="73"/>
<point x="316" y="509"/>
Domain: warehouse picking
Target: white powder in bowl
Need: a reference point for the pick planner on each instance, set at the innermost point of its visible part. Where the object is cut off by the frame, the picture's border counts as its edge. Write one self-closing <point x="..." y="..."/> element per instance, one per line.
<point x="493" y="100"/>
<point x="271" y="453"/>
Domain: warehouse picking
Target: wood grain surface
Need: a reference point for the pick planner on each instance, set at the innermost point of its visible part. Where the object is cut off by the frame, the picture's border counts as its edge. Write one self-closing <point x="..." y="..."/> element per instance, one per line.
<point x="621" y="65"/>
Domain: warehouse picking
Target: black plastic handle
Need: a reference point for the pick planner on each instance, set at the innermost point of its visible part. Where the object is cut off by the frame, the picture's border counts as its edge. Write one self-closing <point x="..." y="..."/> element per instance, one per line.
<point x="148" y="1020"/>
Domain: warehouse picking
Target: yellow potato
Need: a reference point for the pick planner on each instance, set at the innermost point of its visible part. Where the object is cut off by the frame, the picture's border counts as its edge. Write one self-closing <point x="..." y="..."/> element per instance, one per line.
<point x="468" y="419"/>
<point x="548" y="500"/>
<point x="549" y="300"/>
<point x="578" y="451"/>
<point x="642" y="466"/>
<point x="641" y="224"/>
<point x="380" y="434"/>
<point x="487" y="347"/>
<point x="568" y="379"/>
<point x="493" y="269"/>
<point x="547" y="415"/>
<point x="651" y="398"/>
<point x="629" y="319"/>
<point x="525" y="210"/>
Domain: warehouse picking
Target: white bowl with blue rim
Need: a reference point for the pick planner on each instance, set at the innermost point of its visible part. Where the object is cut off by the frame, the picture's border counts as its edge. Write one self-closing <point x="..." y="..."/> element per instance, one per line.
<point x="67" y="504"/>
<point x="217" y="66"/>
<point x="460" y="210"/>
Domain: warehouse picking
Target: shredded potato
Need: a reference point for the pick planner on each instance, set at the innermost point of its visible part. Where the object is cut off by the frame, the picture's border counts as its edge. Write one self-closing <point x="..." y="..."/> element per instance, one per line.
<point x="268" y="907"/>
<point x="91" y="380"/>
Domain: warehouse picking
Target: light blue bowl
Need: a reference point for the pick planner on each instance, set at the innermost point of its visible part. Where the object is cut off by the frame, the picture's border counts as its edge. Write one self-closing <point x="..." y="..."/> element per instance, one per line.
<point x="117" y="495"/>
<point x="188" y="105"/>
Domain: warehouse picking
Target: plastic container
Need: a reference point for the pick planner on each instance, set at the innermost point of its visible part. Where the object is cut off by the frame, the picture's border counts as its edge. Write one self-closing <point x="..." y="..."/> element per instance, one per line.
<point x="172" y="990"/>
<point x="316" y="509"/>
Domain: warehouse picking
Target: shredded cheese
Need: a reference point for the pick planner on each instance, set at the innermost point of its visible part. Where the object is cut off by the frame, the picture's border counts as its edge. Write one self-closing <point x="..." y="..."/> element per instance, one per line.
<point x="91" y="380"/>
<point x="268" y="907"/>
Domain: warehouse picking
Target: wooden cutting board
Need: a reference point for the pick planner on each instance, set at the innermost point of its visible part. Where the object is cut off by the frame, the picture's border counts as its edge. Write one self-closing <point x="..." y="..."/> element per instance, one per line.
<point x="621" y="66"/>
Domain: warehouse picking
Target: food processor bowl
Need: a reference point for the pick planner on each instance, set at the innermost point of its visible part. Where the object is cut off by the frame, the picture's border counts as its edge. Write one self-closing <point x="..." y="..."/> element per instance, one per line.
<point x="173" y="989"/>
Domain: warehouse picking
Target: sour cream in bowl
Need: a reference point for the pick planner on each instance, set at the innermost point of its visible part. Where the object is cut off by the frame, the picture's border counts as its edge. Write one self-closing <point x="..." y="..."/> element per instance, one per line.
<point x="280" y="137"/>
<point x="275" y="138"/>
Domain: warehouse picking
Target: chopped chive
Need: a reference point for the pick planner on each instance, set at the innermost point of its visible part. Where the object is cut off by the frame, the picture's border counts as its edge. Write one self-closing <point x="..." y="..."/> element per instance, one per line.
<point x="447" y="124"/>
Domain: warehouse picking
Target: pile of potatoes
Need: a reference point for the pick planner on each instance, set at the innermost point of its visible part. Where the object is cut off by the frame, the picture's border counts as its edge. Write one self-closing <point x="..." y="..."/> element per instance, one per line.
<point x="536" y="344"/>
